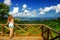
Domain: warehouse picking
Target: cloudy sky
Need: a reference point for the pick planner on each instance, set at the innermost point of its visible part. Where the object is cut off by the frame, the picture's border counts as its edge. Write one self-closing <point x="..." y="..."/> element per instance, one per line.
<point x="33" y="8"/>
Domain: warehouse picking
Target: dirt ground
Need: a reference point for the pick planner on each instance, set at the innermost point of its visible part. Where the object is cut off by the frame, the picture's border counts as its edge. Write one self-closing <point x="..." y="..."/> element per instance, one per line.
<point x="22" y="38"/>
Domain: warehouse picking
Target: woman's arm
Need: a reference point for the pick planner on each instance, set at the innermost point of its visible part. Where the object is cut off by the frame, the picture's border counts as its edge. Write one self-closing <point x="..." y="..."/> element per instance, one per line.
<point x="7" y="21"/>
<point x="13" y="20"/>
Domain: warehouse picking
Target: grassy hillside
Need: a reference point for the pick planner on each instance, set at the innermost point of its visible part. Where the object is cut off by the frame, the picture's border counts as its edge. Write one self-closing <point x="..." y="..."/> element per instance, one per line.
<point x="54" y="23"/>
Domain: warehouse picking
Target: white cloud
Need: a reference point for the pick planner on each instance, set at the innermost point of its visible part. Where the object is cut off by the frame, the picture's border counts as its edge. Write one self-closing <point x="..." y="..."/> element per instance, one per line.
<point x="7" y="2"/>
<point x="24" y="6"/>
<point x="47" y="9"/>
<point x="15" y="11"/>
<point x="58" y="8"/>
<point x="33" y="13"/>
<point x="25" y="13"/>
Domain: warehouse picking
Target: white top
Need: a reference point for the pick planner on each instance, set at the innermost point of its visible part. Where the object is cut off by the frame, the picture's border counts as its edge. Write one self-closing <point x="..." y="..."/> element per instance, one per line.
<point x="11" y="23"/>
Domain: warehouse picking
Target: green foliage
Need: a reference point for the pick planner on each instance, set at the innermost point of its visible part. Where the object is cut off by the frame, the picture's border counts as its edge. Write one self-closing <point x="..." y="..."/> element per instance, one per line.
<point x="20" y="32"/>
<point x="4" y="9"/>
<point x="54" y="23"/>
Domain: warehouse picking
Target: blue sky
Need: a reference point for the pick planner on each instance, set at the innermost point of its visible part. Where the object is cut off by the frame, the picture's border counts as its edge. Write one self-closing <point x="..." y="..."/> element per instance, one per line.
<point x="33" y="8"/>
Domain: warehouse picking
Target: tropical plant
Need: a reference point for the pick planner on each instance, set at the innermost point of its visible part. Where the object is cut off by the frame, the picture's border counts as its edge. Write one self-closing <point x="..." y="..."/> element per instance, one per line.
<point x="4" y="9"/>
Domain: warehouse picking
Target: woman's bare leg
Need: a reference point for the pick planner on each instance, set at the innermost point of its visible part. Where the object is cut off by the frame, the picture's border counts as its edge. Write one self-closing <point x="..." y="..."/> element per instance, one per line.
<point x="11" y="32"/>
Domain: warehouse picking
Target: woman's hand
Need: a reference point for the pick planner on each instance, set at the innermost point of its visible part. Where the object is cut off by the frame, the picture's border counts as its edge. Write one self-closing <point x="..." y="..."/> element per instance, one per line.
<point x="6" y="24"/>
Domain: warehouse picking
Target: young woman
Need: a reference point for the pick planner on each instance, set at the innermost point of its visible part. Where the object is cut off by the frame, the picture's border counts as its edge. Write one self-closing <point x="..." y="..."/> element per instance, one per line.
<point x="10" y="23"/>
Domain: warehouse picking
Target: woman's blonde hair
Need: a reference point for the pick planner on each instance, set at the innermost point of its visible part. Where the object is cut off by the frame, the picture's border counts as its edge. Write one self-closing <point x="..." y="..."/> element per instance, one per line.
<point x="10" y="17"/>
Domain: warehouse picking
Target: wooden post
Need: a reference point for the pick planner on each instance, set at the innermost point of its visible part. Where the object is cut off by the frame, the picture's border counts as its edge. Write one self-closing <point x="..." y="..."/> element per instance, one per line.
<point x="2" y="30"/>
<point x="48" y="31"/>
<point x="42" y="31"/>
<point x="51" y="34"/>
